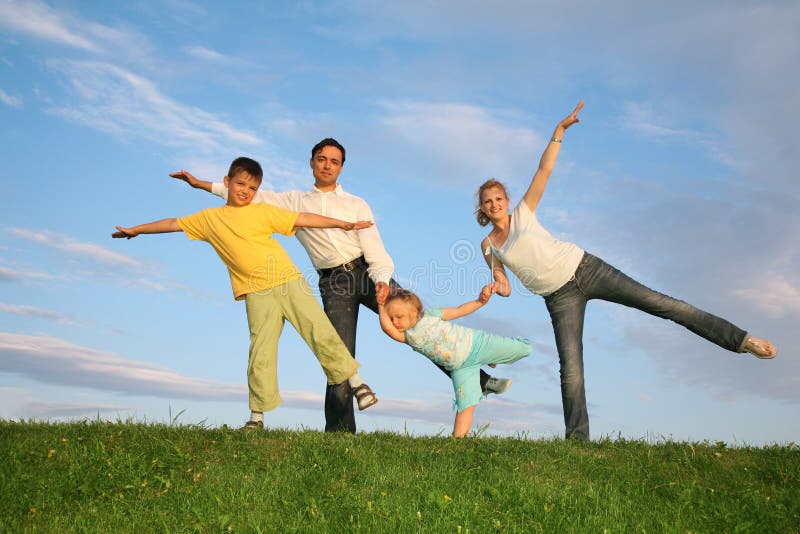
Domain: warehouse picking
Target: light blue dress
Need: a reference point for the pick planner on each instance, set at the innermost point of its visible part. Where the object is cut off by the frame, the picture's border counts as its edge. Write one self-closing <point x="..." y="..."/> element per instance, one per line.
<point x="462" y="351"/>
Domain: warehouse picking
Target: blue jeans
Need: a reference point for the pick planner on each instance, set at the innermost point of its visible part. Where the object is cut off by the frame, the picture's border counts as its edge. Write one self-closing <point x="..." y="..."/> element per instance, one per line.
<point x="595" y="279"/>
<point x="342" y="294"/>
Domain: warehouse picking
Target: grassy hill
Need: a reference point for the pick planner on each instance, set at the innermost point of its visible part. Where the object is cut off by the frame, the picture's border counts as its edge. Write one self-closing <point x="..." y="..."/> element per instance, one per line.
<point x="120" y="477"/>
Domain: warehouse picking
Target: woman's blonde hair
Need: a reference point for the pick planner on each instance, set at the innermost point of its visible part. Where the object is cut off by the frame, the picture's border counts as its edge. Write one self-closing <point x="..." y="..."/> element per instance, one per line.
<point x="483" y="220"/>
<point x="406" y="296"/>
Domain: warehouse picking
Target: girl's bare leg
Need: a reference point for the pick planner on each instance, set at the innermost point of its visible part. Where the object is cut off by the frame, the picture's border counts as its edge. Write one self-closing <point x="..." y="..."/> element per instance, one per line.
<point x="463" y="422"/>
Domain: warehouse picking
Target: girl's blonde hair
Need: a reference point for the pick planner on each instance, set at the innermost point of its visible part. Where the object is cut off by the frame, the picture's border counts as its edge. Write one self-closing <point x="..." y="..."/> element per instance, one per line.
<point x="483" y="220"/>
<point x="406" y="296"/>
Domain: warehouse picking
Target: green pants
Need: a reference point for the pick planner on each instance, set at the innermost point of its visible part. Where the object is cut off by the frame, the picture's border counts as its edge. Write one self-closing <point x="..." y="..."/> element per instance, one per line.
<point x="266" y="312"/>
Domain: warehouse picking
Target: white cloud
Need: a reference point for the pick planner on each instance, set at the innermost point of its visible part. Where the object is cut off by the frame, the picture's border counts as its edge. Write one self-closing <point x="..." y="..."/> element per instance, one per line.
<point x="114" y="100"/>
<point x="459" y="139"/>
<point x="15" y="275"/>
<point x="17" y="403"/>
<point x="642" y="118"/>
<point x="55" y="361"/>
<point x="127" y="269"/>
<point x="33" y="311"/>
<point x="773" y="295"/>
<point x="152" y="284"/>
<point x="38" y="20"/>
<point x="38" y="410"/>
<point x="8" y="100"/>
<point x="690" y="360"/>
<point x="70" y="245"/>
<point x="206" y="54"/>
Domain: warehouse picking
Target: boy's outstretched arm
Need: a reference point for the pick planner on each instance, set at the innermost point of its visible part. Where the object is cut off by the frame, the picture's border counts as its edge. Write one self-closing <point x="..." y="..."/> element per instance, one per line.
<point x="312" y="220"/>
<point x="190" y="179"/>
<point x="164" y="226"/>
<point x="469" y="307"/>
<point x="388" y="327"/>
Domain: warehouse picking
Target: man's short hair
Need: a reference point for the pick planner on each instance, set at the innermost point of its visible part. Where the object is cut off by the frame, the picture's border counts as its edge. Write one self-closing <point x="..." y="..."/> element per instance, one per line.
<point x="243" y="164"/>
<point x="328" y="141"/>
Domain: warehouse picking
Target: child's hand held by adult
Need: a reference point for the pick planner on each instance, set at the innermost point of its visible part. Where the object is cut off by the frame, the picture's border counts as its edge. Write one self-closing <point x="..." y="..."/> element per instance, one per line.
<point x="487" y="292"/>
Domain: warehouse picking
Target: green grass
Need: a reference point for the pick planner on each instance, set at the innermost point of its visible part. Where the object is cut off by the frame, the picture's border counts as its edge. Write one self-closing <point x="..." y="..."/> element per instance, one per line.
<point x="104" y="477"/>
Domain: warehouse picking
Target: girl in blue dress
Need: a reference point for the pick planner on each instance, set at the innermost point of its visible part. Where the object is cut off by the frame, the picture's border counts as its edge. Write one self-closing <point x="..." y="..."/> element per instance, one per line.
<point x="459" y="349"/>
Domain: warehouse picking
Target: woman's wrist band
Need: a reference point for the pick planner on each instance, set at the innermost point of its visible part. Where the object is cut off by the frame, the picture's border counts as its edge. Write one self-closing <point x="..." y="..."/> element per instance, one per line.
<point x="556" y="139"/>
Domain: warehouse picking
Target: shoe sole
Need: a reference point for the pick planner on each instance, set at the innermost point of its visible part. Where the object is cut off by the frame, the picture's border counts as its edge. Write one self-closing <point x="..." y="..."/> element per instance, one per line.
<point x="252" y="427"/>
<point x="368" y="403"/>
<point x="498" y="392"/>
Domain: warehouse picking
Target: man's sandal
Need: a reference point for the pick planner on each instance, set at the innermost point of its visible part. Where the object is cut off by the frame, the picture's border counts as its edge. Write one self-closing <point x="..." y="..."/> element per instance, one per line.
<point x="364" y="396"/>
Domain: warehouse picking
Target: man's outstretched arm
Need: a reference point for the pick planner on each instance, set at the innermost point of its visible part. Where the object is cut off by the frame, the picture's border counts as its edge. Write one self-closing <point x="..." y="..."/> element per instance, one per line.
<point x="190" y="179"/>
<point x="288" y="200"/>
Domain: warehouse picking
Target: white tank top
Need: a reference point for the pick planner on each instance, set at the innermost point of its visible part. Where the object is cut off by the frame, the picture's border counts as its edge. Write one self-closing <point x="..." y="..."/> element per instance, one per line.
<point x="541" y="262"/>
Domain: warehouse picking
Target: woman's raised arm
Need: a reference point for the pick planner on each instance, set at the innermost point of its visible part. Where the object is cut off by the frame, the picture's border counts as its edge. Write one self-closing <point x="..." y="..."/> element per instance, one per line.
<point x="534" y="193"/>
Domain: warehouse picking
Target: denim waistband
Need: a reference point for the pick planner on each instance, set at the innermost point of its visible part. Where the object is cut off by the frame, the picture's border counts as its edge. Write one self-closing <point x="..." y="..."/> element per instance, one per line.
<point x="584" y="260"/>
<point x="351" y="265"/>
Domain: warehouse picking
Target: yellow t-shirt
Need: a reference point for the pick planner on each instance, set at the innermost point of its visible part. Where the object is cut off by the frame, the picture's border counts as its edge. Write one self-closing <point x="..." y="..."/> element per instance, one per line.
<point x="242" y="237"/>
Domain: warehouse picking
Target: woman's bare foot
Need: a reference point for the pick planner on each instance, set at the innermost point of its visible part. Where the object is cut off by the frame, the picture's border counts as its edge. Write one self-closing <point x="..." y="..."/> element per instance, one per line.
<point x="760" y="348"/>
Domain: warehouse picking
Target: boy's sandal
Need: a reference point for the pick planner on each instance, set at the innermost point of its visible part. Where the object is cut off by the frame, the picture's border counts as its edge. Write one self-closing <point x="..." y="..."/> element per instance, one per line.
<point x="364" y="396"/>
<point x="253" y="425"/>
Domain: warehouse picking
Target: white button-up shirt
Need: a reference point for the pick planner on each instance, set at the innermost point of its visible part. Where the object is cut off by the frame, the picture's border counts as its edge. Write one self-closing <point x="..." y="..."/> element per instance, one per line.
<point x="331" y="247"/>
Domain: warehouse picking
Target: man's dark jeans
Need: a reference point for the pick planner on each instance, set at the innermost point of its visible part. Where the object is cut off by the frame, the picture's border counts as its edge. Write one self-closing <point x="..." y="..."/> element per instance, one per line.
<point x="595" y="279"/>
<point x="342" y="293"/>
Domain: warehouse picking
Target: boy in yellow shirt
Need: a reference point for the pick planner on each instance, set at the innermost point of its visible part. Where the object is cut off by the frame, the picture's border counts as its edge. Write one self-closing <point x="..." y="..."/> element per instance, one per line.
<point x="263" y="275"/>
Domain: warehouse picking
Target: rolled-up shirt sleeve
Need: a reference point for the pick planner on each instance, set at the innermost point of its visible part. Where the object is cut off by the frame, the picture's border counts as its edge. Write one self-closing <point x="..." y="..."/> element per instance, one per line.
<point x="219" y="189"/>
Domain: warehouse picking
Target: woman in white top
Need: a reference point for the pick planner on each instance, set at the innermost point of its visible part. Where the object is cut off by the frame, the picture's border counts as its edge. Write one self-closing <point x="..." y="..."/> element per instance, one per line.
<point x="568" y="277"/>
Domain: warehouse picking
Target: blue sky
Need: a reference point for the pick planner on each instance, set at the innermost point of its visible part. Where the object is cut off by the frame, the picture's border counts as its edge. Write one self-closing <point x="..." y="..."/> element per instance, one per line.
<point x="682" y="173"/>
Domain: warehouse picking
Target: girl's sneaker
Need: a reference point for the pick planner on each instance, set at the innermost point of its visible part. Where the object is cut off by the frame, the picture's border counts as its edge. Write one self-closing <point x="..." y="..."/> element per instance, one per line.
<point x="496" y="385"/>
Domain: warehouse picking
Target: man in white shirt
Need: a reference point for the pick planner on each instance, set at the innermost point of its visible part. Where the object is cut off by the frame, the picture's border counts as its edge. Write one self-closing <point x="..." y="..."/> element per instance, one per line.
<point x="354" y="267"/>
